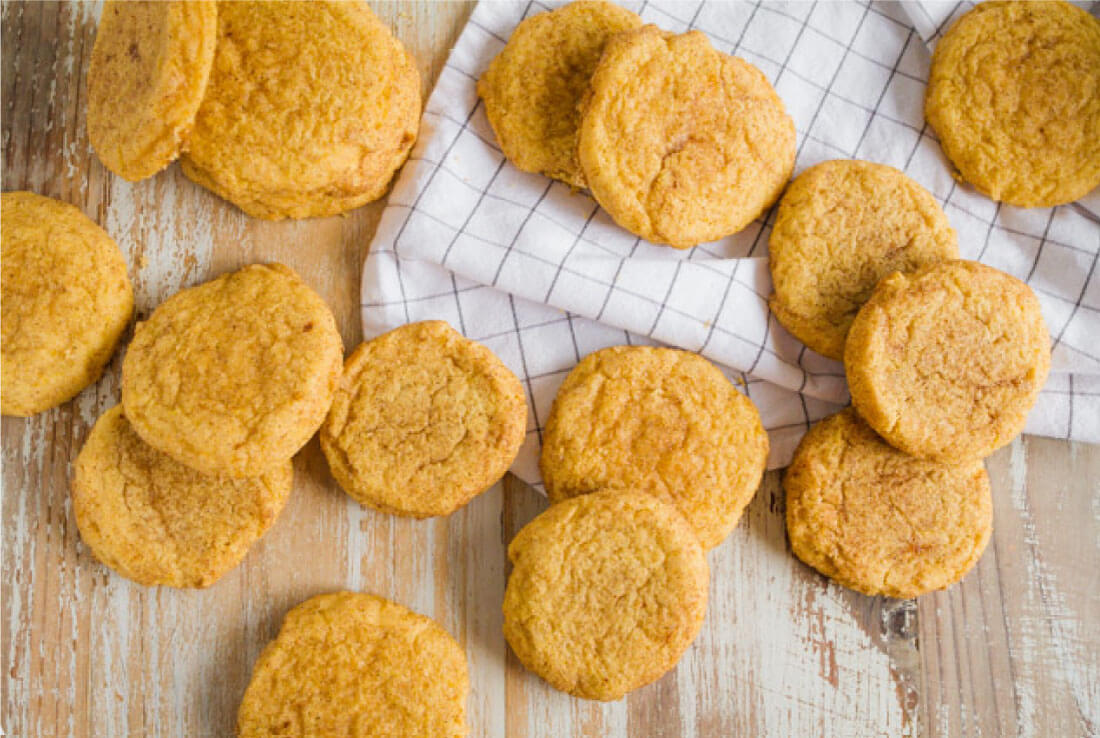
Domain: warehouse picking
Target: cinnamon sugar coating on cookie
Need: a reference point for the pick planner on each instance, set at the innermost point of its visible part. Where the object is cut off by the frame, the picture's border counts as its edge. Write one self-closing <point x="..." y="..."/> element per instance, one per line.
<point x="660" y="420"/>
<point x="607" y="591"/>
<point x="349" y="664"/>
<point x="235" y="375"/>
<point x="681" y="143"/>
<point x="879" y="521"/>
<point x="945" y="363"/>
<point x="158" y="522"/>
<point x="424" y="420"/>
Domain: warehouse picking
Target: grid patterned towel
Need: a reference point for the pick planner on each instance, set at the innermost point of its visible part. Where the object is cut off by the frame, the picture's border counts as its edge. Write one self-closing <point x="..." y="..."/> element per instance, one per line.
<point x="543" y="276"/>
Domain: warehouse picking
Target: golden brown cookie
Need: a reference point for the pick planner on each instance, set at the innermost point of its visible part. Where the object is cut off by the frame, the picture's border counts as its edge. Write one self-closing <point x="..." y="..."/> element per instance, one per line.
<point x="660" y="420"/>
<point x="310" y="109"/>
<point x="607" y="591"/>
<point x="423" y="421"/>
<point x="66" y="300"/>
<point x="945" y="363"/>
<point x="350" y="664"/>
<point x="532" y="88"/>
<point x="842" y="226"/>
<point x="1014" y="96"/>
<point x="234" y="376"/>
<point x="680" y="143"/>
<point x="156" y="521"/>
<point x="879" y="521"/>
<point x="149" y="69"/>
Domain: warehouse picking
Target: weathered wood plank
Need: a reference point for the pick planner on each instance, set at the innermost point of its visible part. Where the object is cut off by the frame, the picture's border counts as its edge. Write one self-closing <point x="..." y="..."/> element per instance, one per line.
<point x="1015" y="648"/>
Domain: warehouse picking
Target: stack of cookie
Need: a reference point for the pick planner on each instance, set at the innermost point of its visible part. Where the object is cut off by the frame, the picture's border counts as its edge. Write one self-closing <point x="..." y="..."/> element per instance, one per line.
<point x="679" y="143"/>
<point x="944" y="358"/>
<point x="287" y="110"/>
<point x="649" y="457"/>
<point x="221" y="386"/>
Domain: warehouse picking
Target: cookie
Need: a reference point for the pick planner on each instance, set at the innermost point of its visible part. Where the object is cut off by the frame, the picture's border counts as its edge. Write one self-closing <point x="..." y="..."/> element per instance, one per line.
<point x="533" y="86"/>
<point x="843" y="225"/>
<point x="423" y="421"/>
<point x="680" y="143"/>
<point x="159" y="522"/>
<point x="310" y="109"/>
<point x="1014" y="96"/>
<point x="607" y="591"/>
<point x="945" y="363"/>
<point x="234" y="376"/>
<point x="879" y="521"/>
<point x="350" y="664"/>
<point x="660" y="420"/>
<point x="149" y="69"/>
<point x="65" y="301"/>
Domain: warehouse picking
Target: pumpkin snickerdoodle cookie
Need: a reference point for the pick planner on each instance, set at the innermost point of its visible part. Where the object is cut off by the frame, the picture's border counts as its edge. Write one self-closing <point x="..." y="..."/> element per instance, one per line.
<point x="681" y="143"/>
<point x="532" y="88"/>
<point x="880" y="521"/>
<point x="843" y="225"/>
<point x="310" y="109"/>
<point x="607" y="591"/>
<point x="424" y="420"/>
<point x="660" y="420"/>
<point x="66" y="301"/>
<point x="350" y="664"/>
<point x="149" y="69"/>
<point x="945" y="363"/>
<point x="235" y="375"/>
<point x="1014" y="96"/>
<point x="156" y="521"/>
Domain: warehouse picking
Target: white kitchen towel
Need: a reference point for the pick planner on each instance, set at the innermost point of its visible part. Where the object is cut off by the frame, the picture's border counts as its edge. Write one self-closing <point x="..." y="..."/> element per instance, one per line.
<point x="543" y="276"/>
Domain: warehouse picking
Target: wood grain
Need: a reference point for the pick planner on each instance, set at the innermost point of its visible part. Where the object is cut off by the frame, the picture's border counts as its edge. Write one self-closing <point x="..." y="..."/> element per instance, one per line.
<point x="1013" y="650"/>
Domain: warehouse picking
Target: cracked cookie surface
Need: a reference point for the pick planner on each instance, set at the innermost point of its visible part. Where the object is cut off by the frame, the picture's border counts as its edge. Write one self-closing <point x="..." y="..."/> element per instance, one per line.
<point x="842" y="226"/>
<point x="350" y="664"/>
<point x="235" y="375"/>
<point x="661" y="420"/>
<point x="533" y="86"/>
<point x="66" y="299"/>
<point x="159" y="522"/>
<point x="680" y="143"/>
<point x="424" y="420"/>
<point x="945" y="363"/>
<point x="310" y="109"/>
<point x="879" y="521"/>
<point x="1014" y="96"/>
<point x="150" y="65"/>
<point x="607" y="591"/>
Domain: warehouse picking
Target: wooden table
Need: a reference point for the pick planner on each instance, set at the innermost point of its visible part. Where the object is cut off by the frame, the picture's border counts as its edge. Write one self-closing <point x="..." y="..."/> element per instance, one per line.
<point x="1014" y="649"/>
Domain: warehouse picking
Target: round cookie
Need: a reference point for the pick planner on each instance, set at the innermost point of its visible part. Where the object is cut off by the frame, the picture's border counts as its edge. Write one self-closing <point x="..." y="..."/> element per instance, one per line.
<point x="159" y="522"/>
<point x="423" y="421"/>
<point x="879" y="521"/>
<point x="233" y="376"/>
<point x="842" y="226"/>
<point x="146" y="79"/>
<point x="310" y="109"/>
<point x="659" y="420"/>
<point x="607" y="591"/>
<point x="680" y="143"/>
<point x="350" y="664"/>
<point x="945" y="363"/>
<point x="1014" y="96"/>
<point x="533" y="86"/>
<point x="65" y="301"/>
